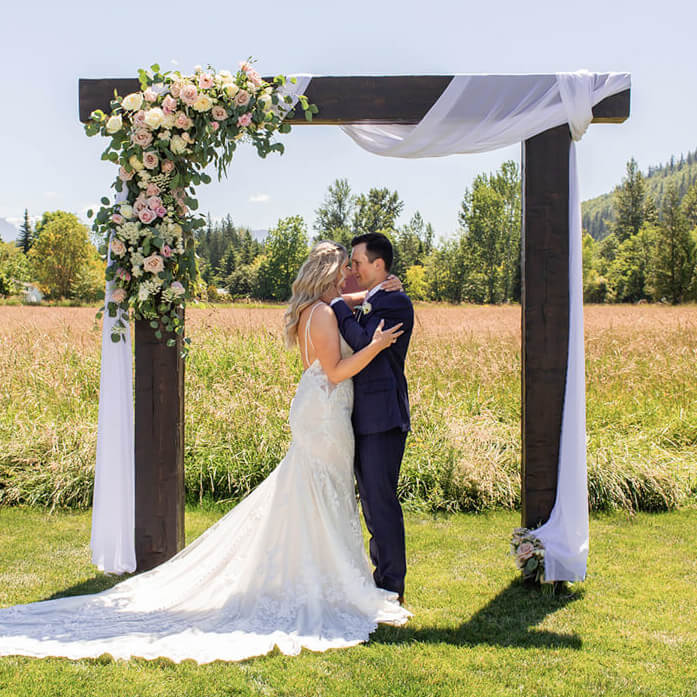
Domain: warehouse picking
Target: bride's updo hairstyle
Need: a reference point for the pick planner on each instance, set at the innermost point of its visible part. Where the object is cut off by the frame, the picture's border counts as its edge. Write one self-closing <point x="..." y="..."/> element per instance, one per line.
<point x="317" y="275"/>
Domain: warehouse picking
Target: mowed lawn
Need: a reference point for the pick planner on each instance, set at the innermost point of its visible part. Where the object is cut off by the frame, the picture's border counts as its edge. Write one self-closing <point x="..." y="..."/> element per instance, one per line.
<point x="629" y="629"/>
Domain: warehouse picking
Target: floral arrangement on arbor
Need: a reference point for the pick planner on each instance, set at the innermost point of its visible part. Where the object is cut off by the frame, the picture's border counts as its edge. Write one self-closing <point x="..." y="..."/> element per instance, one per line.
<point x="163" y="137"/>
<point x="529" y="554"/>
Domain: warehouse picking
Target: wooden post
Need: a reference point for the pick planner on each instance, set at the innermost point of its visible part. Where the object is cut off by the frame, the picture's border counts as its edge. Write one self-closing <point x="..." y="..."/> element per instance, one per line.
<point x="545" y="316"/>
<point x="159" y="447"/>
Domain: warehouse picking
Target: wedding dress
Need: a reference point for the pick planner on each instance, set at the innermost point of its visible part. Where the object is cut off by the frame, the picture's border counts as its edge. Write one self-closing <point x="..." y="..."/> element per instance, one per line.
<point x="286" y="567"/>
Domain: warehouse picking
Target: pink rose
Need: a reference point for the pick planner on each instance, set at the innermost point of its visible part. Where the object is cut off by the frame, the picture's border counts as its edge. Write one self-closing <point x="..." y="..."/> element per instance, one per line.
<point x="117" y="247"/>
<point x="152" y="190"/>
<point x="205" y="81"/>
<point x="166" y="251"/>
<point x="167" y="166"/>
<point x="189" y="94"/>
<point x="150" y="95"/>
<point x="177" y="287"/>
<point x="242" y="98"/>
<point x="123" y="274"/>
<point x="525" y="550"/>
<point x="124" y="174"/>
<point x="150" y="159"/>
<point x="116" y="218"/>
<point x="254" y="77"/>
<point x="186" y="137"/>
<point x="118" y="295"/>
<point x="246" y="66"/>
<point x="218" y="113"/>
<point x="215" y="125"/>
<point x="178" y="194"/>
<point x="154" y="202"/>
<point x="244" y="120"/>
<point x="142" y="137"/>
<point x="146" y="216"/>
<point x="161" y="212"/>
<point x="139" y="118"/>
<point x="154" y="263"/>
<point x="169" y="104"/>
<point x="181" y="120"/>
<point x="175" y="89"/>
<point x="139" y="204"/>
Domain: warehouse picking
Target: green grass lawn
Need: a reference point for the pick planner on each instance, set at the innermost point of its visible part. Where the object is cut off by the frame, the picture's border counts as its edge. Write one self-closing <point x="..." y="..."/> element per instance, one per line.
<point x="629" y="629"/>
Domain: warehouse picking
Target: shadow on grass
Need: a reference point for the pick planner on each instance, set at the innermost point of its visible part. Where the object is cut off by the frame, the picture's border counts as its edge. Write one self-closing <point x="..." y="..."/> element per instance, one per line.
<point x="509" y="619"/>
<point x="96" y="584"/>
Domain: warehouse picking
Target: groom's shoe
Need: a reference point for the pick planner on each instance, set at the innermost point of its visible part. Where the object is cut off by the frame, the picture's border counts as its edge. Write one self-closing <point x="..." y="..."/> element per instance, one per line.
<point x="400" y="599"/>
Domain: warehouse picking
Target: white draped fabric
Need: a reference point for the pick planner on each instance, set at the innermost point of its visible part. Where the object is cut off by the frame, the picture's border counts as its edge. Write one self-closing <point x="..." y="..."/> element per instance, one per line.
<point x="113" y="508"/>
<point x="484" y="112"/>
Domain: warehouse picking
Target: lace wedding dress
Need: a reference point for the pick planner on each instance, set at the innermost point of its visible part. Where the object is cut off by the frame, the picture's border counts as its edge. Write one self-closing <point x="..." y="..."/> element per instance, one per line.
<point x="286" y="567"/>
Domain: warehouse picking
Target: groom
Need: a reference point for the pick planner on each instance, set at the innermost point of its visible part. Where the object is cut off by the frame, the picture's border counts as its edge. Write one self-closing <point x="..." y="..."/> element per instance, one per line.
<point x="381" y="405"/>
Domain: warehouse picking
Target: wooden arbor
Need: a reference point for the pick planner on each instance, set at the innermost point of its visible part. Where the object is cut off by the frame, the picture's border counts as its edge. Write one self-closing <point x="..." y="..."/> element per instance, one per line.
<point x="159" y="381"/>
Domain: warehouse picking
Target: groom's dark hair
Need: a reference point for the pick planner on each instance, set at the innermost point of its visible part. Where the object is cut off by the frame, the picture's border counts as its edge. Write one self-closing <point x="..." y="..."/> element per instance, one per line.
<point x="376" y="246"/>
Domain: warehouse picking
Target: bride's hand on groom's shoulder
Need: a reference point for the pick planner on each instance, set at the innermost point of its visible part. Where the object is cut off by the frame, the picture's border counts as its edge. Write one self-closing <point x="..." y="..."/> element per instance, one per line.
<point x="392" y="283"/>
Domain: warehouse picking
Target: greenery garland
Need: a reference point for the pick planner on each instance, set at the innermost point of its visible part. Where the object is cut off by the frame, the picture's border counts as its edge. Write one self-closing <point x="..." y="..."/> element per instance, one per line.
<point x="163" y="138"/>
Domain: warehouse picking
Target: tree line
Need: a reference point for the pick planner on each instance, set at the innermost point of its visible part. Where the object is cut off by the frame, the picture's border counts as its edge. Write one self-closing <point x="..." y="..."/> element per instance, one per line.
<point x="481" y="263"/>
<point x="648" y="251"/>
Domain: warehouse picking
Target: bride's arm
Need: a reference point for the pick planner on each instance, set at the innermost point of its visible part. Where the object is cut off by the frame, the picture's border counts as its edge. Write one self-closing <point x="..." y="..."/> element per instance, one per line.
<point x="324" y="332"/>
<point x="353" y="300"/>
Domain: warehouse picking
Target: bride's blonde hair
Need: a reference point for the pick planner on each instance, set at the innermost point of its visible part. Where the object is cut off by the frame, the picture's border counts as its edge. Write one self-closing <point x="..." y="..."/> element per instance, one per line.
<point x="317" y="274"/>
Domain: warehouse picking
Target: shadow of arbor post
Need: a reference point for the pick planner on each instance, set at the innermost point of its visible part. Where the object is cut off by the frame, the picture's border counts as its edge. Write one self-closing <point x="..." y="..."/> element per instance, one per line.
<point x="509" y="619"/>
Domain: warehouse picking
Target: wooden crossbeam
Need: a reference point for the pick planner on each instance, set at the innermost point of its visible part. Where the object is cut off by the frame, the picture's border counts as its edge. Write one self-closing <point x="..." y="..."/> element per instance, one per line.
<point x="344" y="100"/>
<point x="159" y="450"/>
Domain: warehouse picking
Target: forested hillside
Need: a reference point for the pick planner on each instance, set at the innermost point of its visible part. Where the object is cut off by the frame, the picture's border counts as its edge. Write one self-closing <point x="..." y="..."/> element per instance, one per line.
<point x="682" y="172"/>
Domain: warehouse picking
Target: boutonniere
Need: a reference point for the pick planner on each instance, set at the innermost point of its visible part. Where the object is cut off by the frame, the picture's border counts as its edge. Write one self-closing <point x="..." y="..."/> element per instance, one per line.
<point x="365" y="308"/>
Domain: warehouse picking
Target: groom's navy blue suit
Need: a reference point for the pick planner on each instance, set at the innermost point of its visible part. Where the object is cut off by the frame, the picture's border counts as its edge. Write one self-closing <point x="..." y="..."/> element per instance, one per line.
<point x="381" y="422"/>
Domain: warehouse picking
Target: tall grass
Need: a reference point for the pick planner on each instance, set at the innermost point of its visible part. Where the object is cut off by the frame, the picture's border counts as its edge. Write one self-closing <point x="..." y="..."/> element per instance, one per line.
<point x="464" y="377"/>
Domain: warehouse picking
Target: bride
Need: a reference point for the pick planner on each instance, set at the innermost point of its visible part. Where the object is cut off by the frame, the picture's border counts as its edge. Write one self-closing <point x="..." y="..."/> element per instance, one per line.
<point x="286" y="567"/>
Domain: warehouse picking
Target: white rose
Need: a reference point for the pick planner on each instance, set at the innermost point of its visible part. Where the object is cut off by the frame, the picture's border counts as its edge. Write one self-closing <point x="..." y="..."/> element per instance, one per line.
<point x="168" y="121"/>
<point x="126" y="210"/>
<point x="177" y="145"/>
<point x="132" y="102"/>
<point x="203" y="103"/>
<point x="154" y="117"/>
<point x="114" y="124"/>
<point x="231" y="90"/>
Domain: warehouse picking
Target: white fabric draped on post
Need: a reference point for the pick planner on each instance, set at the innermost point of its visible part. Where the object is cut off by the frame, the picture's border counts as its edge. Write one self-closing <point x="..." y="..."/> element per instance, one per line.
<point x="113" y="508"/>
<point x="484" y="112"/>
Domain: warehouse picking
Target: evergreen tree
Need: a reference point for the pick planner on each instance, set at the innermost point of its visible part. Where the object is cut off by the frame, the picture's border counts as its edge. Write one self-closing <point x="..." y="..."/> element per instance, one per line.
<point x="689" y="206"/>
<point x="26" y="235"/>
<point x="629" y="203"/>
<point x="674" y="256"/>
<point x="334" y="215"/>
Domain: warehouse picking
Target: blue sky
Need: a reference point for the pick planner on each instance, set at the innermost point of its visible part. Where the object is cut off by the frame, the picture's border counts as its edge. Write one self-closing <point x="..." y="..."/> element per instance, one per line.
<point x="47" y="162"/>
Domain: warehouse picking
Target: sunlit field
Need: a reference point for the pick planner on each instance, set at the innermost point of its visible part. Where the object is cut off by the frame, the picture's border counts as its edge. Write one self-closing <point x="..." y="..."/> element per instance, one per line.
<point x="464" y="376"/>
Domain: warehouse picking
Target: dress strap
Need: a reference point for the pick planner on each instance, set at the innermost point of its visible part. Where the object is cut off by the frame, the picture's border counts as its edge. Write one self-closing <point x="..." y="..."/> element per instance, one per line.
<point x="308" y="338"/>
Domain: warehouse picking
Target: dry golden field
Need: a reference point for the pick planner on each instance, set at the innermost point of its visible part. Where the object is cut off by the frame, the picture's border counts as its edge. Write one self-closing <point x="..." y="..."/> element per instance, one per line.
<point x="463" y="369"/>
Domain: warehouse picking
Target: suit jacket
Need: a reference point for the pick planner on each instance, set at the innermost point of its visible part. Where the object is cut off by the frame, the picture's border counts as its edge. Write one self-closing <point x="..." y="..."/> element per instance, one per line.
<point x="380" y="394"/>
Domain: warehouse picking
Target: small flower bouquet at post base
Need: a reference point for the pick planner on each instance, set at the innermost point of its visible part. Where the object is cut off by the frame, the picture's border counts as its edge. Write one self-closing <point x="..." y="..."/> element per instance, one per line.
<point x="529" y="554"/>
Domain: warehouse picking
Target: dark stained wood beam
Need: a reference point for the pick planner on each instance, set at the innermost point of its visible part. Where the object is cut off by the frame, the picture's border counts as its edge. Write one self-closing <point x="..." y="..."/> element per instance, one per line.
<point x="159" y="447"/>
<point x="344" y="100"/>
<point x="545" y="316"/>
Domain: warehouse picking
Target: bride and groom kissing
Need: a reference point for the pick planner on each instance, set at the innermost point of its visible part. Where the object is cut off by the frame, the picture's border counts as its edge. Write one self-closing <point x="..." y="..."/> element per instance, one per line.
<point x="287" y="566"/>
